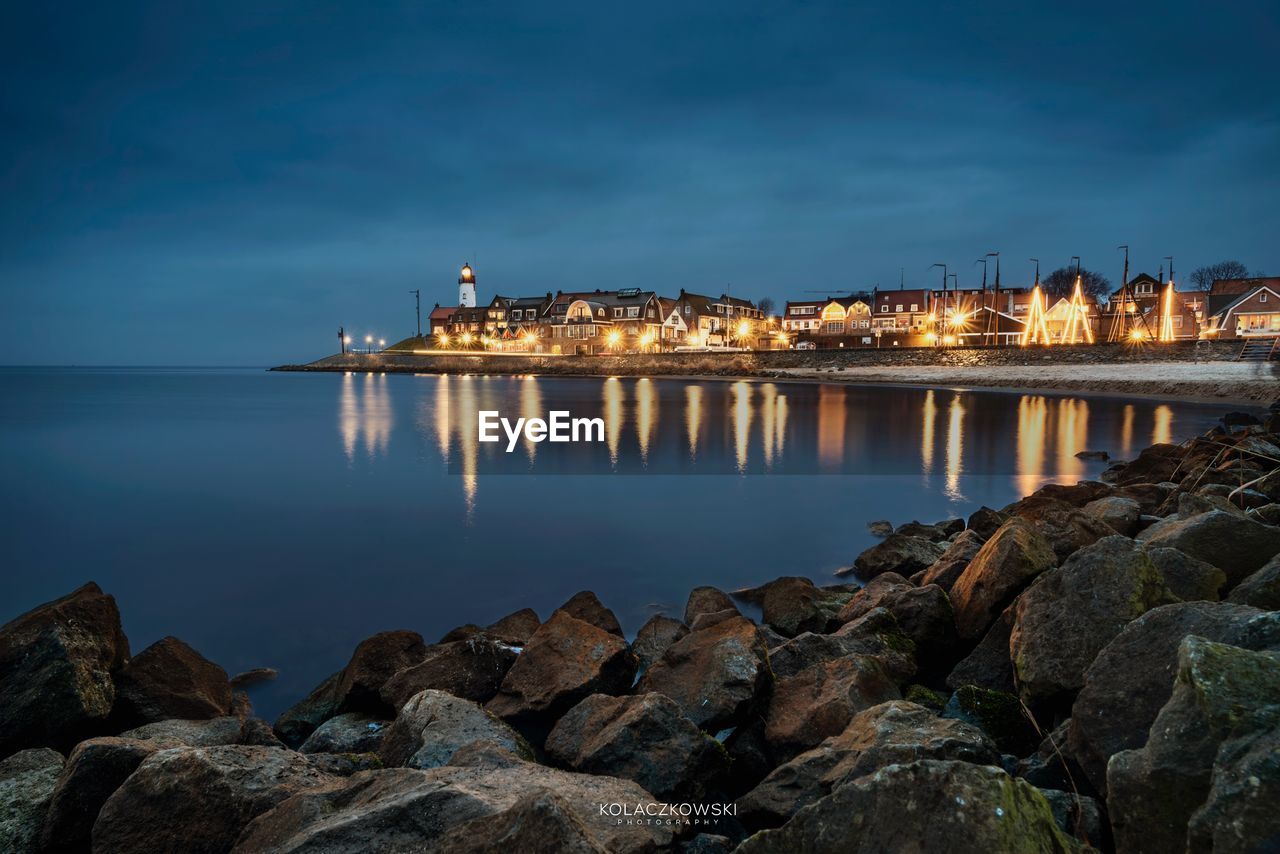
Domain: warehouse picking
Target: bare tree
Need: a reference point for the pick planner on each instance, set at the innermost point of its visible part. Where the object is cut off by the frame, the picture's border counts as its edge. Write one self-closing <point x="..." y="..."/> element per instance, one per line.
<point x="1204" y="277"/>
<point x="1062" y="282"/>
<point x="765" y="304"/>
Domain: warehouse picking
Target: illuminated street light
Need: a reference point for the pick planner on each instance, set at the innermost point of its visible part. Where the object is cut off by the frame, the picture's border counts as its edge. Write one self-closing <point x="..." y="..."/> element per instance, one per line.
<point x="466" y="338"/>
<point x="443" y="338"/>
<point x="614" y="337"/>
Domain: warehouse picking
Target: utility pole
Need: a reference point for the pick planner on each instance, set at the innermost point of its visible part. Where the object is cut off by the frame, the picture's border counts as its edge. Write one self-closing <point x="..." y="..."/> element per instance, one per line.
<point x="996" y="301"/>
<point x="342" y="340"/>
<point x="982" y="298"/>
<point x="944" y="298"/>
<point x="417" y="308"/>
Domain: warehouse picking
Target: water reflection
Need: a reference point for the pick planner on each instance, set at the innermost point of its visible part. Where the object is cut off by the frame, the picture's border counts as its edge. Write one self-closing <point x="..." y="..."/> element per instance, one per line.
<point x="945" y="437"/>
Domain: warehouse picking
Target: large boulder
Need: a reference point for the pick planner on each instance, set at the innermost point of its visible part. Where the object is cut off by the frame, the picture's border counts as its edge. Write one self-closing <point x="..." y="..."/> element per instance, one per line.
<point x="199" y="799"/>
<point x="922" y="613"/>
<point x="793" y="605"/>
<point x="1188" y="578"/>
<point x="405" y="809"/>
<point x="1132" y="678"/>
<point x="206" y="733"/>
<point x="951" y="565"/>
<point x="1235" y="544"/>
<point x="715" y="674"/>
<point x="988" y="664"/>
<point x="646" y="738"/>
<point x="542" y="822"/>
<point x="820" y="701"/>
<point x="1221" y="692"/>
<point x="1006" y="564"/>
<point x="928" y="805"/>
<point x="706" y="600"/>
<point x="170" y="680"/>
<point x="998" y="714"/>
<point x="94" y="770"/>
<point x="56" y="664"/>
<point x="900" y="553"/>
<point x="1154" y="464"/>
<point x="373" y="663"/>
<point x="1117" y="512"/>
<point x="433" y="726"/>
<point x="1261" y="589"/>
<point x="472" y="669"/>
<point x="301" y="719"/>
<point x="1065" y="618"/>
<point x="886" y="734"/>
<point x="516" y="628"/>
<point x="984" y="521"/>
<point x="1239" y="815"/>
<point x="349" y="732"/>
<point x="565" y="661"/>
<point x="27" y="782"/>
<point x="586" y="606"/>
<point x="875" y="633"/>
<point x="658" y="633"/>
<point x="1066" y="528"/>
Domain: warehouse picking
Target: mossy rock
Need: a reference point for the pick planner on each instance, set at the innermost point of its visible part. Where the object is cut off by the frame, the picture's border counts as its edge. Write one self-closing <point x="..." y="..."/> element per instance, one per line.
<point x="998" y="714"/>
<point x="926" y="697"/>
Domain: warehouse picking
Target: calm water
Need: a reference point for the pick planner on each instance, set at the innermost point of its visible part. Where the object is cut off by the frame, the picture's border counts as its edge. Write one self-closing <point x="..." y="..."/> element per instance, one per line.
<point x="277" y="519"/>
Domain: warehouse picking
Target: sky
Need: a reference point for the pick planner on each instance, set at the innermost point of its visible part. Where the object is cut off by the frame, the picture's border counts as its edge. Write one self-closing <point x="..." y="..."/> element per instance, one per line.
<point x="228" y="183"/>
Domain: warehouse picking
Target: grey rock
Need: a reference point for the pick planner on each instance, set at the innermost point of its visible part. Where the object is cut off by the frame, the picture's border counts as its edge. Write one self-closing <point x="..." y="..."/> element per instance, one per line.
<point x="433" y="726"/>
<point x="27" y="782"/>
<point x="350" y="732"/>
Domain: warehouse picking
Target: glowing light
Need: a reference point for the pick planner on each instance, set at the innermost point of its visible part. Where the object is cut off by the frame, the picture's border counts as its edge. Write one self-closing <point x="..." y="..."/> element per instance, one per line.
<point x="1166" y="314"/>
<point x="1037" y="332"/>
<point x="744" y="329"/>
<point x="693" y="340"/>
<point x="948" y="340"/>
<point x="959" y="318"/>
<point x="1077" y="329"/>
<point x="614" y="337"/>
<point x="382" y="342"/>
<point x="930" y="337"/>
<point x="443" y="338"/>
<point x="1137" y="335"/>
<point x="646" y="339"/>
<point x="466" y="338"/>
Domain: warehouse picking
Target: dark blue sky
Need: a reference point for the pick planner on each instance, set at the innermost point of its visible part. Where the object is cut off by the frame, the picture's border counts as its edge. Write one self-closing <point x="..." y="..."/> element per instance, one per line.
<point x="227" y="183"/>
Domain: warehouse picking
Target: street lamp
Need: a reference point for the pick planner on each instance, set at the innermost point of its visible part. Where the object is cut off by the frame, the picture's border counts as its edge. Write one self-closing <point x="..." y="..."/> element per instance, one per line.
<point x="368" y="344"/>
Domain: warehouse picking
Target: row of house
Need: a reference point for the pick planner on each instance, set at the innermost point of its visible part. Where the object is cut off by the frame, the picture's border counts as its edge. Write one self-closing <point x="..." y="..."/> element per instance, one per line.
<point x="637" y="320"/>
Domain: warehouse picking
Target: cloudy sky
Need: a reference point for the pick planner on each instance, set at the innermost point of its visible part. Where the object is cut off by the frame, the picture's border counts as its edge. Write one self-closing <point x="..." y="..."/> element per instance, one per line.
<point x="227" y="183"/>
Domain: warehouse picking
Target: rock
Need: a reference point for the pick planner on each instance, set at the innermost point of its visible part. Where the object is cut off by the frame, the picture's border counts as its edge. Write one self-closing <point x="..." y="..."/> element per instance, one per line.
<point x="1119" y="513"/>
<point x="299" y="721"/>
<point x="985" y="522"/>
<point x="1262" y="589"/>
<point x="715" y="674"/>
<point x="922" y="613"/>
<point x="258" y="732"/>
<point x="1093" y="455"/>
<point x="1065" y="618"/>
<point x="586" y="607"/>
<point x="1184" y="505"/>
<point x="921" y="695"/>
<point x="988" y="665"/>
<point x="94" y="770"/>
<point x="1270" y="485"/>
<point x="1267" y="515"/>
<point x="344" y="764"/>
<point x="658" y="633"/>
<point x="199" y="799"/>
<point x="1220" y="692"/>
<point x="1148" y="495"/>
<point x="256" y="676"/>
<point x="900" y="553"/>
<point x="205" y="733"/>
<point x="1188" y="578"/>
<point x="883" y="642"/>
<point x="56" y="663"/>
<point x="793" y="605"/>
<point x="350" y="732"/>
<point x="1001" y="716"/>
<point x="27" y="782"/>
<point x="1008" y="561"/>
<point x="472" y="669"/>
<point x="1077" y="815"/>
<point x="1239" y="419"/>
<point x="1132" y="678"/>
<point x="516" y="628"/>
<point x="1239" y="813"/>
<point x="1154" y="464"/>
<point x="565" y="661"/>
<point x="1052" y="494"/>
<point x="886" y="734"/>
<point x="708" y="843"/>
<point x="946" y="569"/>
<point x="400" y="808"/>
<point x="928" y="805"/>
<point x="1051" y="767"/>
<point x="434" y="725"/>
<point x="541" y="821"/>
<point x="373" y="663"/>
<point x="880" y="528"/>
<point x="706" y="621"/>
<point x="1235" y="544"/>
<point x="169" y="680"/>
<point x="820" y="701"/>
<point x="646" y="738"/>
<point x="706" y="600"/>
<point x="934" y="533"/>
<point x="1067" y="529"/>
<point x="950" y="527"/>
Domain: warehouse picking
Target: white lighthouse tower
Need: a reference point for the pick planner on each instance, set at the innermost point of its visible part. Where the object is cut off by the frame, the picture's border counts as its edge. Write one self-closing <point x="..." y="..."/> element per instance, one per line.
<point x="467" y="287"/>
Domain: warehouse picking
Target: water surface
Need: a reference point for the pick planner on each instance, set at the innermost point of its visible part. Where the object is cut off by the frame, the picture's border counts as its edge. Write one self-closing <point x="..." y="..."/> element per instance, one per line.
<point x="277" y="519"/>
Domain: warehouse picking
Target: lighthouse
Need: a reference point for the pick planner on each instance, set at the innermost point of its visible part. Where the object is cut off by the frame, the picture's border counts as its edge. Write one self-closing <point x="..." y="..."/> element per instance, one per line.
<point x="467" y="287"/>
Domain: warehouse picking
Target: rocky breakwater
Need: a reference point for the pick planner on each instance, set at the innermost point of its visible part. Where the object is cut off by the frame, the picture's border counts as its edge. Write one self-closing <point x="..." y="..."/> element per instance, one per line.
<point x="1094" y="666"/>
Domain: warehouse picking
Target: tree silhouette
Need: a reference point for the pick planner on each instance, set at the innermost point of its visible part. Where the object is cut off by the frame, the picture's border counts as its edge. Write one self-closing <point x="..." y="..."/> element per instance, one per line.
<point x="1062" y="282"/>
<point x="1204" y="277"/>
<point x="765" y="305"/>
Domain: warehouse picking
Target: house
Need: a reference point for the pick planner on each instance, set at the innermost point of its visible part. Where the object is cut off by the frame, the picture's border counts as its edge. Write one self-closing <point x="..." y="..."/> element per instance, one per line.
<point x="903" y="310"/>
<point x="438" y="319"/>
<point x="1147" y="302"/>
<point x="721" y="321"/>
<point x="600" y="322"/>
<point x="1244" y="308"/>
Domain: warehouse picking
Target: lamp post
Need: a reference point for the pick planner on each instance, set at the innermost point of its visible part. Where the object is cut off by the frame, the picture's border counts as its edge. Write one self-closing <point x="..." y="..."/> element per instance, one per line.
<point x="417" y="308"/>
<point x="938" y="337"/>
<point x="342" y="340"/>
<point x="368" y="344"/>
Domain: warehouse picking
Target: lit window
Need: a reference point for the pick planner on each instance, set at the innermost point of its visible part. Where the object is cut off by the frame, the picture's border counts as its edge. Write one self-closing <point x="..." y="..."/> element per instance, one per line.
<point x="899" y="307"/>
<point x="884" y="308"/>
<point x="915" y="306"/>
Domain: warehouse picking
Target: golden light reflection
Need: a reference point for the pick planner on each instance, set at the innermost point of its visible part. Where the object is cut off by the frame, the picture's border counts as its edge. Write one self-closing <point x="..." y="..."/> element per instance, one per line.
<point x="1126" y="432"/>
<point x="468" y="441"/>
<point x="442" y="417"/>
<point x="348" y="416"/>
<point x="928" y="419"/>
<point x="768" y="420"/>
<point x="1163" y="432"/>
<point x="364" y="414"/>
<point x="780" y="426"/>
<point x="1033" y="416"/>
<point x="646" y="415"/>
<point x="832" y="413"/>
<point x="613" y="416"/>
<point x="531" y="407"/>
<point x="693" y="416"/>
<point x="955" y="448"/>
<point x="741" y="422"/>
<point x="1073" y="436"/>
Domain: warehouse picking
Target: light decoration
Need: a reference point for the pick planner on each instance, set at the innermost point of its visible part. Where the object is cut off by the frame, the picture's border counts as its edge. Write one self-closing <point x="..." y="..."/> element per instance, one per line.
<point x="1077" y="330"/>
<point x="744" y="329"/>
<point x="466" y="338"/>
<point x="613" y="338"/>
<point x="1166" y="314"/>
<point x="443" y="338"/>
<point x="1037" y="332"/>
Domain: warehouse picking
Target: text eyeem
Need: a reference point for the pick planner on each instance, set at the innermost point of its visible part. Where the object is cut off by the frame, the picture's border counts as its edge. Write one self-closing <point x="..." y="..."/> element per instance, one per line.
<point x="557" y="427"/>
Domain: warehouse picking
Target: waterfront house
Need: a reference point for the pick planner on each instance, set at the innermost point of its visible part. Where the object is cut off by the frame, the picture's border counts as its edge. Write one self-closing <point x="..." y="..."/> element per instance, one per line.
<point x="625" y="320"/>
<point x="1146" y="300"/>
<point x="438" y="319"/>
<point x="721" y="321"/>
<point x="1244" y="308"/>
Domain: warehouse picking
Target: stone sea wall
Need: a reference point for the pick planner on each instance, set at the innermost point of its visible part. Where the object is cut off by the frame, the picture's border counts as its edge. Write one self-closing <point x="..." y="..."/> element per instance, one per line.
<point x="1095" y="666"/>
